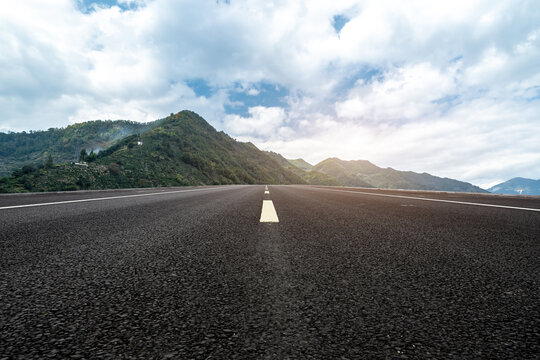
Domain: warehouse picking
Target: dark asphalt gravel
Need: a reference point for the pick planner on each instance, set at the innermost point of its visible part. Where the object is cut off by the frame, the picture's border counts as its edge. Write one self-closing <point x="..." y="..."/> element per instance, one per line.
<point x="194" y="275"/>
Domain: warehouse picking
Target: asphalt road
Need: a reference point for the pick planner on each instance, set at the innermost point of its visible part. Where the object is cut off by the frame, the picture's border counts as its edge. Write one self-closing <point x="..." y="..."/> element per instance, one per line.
<point x="191" y="273"/>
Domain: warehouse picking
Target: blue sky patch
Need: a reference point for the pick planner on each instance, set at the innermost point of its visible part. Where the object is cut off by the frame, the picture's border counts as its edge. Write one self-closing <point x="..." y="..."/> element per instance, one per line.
<point x="448" y="102"/>
<point x="456" y="59"/>
<point x="86" y="6"/>
<point x="536" y="90"/>
<point x="449" y="99"/>
<point x="368" y="74"/>
<point x="200" y="87"/>
<point x="261" y="94"/>
<point x="339" y="21"/>
<point x="242" y="97"/>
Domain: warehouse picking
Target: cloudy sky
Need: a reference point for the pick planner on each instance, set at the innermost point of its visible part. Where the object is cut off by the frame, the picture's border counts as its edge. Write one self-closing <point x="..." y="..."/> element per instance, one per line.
<point x="451" y="88"/>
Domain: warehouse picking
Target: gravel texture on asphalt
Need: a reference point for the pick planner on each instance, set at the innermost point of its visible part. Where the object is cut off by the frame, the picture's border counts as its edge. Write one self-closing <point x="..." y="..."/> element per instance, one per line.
<point x="195" y="275"/>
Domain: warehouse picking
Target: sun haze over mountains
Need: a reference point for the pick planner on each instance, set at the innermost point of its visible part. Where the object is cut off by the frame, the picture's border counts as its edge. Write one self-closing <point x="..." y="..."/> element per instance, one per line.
<point x="447" y="88"/>
<point x="182" y="149"/>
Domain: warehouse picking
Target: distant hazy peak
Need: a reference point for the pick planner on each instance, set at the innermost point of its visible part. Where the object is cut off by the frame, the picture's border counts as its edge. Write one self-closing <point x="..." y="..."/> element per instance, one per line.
<point x="517" y="186"/>
<point x="363" y="173"/>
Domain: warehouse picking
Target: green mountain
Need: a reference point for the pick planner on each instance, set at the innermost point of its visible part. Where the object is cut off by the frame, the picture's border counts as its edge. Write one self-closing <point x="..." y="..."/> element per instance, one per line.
<point x="362" y="173"/>
<point x="284" y="163"/>
<point x="64" y="144"/>
<point x="344" y="171"/>
<point x="309" y="176"/>
<point x="301" y="163"/>
<point x="183" y="149"/>
<point x="517" y="185"/>
<point x="318" y="178"/>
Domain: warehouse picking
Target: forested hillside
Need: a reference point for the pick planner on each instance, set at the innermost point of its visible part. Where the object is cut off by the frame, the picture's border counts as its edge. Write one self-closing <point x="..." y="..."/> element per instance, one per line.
<point x="182" y="150"/>
<point x="63" y="144"/>
<point x="303" y="170"/>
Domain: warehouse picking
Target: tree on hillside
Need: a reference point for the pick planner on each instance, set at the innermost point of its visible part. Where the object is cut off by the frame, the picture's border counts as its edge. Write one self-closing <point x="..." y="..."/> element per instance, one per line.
<point x="92" y="156"/>
<point x="83" y="155"/>
<point x="49" y="162"/>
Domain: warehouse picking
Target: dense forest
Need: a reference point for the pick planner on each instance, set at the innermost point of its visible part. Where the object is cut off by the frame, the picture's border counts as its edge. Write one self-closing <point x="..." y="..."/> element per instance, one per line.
<point x="63" y="144"/>
<point x="183" y="149"/>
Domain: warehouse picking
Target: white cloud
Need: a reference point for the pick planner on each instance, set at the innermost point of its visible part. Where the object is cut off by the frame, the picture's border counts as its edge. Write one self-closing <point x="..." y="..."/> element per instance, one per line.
<point x="405" y="93"/>
<point x="253" y="92"/>
<point x="263" y="121"/>
<point x="456" y="93"/>
<point x="475" y="143"/>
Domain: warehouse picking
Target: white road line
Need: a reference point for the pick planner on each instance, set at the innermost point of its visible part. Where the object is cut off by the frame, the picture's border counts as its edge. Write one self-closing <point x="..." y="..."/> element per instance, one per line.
<point x="435" y="200"/>
<point x="266" y="192"/>
<point x="268" y="212"/>
<point x="99" y="199"/>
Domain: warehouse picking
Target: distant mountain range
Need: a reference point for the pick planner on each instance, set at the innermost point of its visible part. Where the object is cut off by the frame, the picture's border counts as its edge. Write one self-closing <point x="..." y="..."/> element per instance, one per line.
<point x="363" y="173"/>
<point x="182" y="149"/>
<point x="311" y="177"/>
<point x="518" y="185"/>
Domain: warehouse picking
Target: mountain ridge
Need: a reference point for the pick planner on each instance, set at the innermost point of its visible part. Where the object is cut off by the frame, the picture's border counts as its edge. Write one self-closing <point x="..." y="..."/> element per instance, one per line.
<point x="310" y="176"/>
<point x="184" y="149"/>
<point x="517" y="186"/>
<point x="363" y="173"/>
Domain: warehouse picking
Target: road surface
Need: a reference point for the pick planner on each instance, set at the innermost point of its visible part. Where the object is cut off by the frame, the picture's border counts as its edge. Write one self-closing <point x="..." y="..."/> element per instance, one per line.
<point x="338" y="273"/>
